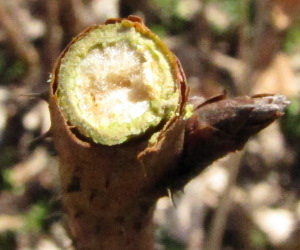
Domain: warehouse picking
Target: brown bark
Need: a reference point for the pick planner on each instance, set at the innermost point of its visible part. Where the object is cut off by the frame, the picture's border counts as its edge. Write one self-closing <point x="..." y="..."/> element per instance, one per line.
<point x="107" y="189"/>
<point x="109" y="192"/>
<point x="220" y="126"/>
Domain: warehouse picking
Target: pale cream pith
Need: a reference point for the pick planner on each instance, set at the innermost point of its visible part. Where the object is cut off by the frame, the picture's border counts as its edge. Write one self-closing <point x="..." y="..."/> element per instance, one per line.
<point x="115" y="83"/>
<point x="118" y="88"/>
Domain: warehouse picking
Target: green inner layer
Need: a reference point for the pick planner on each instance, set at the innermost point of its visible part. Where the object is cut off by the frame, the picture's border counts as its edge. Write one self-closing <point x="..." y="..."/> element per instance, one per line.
<point x="115" y="83"/>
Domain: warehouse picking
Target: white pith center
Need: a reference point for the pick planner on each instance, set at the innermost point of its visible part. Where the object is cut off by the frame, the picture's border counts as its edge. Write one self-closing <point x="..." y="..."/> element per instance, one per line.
<point x="116" y="83"/>
<point x="120" y="87"/>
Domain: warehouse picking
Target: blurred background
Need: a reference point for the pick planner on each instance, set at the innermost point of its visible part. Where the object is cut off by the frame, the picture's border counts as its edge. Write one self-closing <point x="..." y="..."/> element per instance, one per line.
<point x="249" y="200"/>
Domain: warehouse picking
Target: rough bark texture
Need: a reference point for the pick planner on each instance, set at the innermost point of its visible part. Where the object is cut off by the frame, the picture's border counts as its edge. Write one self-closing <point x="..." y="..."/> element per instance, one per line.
<point x="220" y="126"/>
<point x="109" y="192"/>
<point x="105" y="188"/>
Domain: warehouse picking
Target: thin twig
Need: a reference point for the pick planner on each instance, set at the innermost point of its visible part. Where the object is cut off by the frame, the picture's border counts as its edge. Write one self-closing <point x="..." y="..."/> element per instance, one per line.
<point x="74" y="21"/>
<point x="245" y="82"/>
<point x="265" y="43"/>
<point x="21" y="46"/>
<point x="215" y="237"/>
<point x="54" y="33"/>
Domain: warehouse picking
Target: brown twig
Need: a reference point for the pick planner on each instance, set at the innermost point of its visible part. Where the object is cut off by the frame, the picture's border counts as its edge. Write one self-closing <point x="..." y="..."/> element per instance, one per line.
<point x="257" y="53"/>
<point x="21" y="46"/>
<point x="73" y="22"/>
<point x="54" y="34"/>
<point x="264" y="44"/>
<point x="217" y="227"/>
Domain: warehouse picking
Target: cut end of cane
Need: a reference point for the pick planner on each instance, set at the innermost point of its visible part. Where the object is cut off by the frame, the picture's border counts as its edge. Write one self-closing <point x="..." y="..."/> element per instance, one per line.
<point x="116" y="81"/>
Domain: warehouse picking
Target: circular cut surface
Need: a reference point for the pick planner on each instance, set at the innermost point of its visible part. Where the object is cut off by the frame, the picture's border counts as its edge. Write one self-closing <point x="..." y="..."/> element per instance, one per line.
<point x="116" y="83"/>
